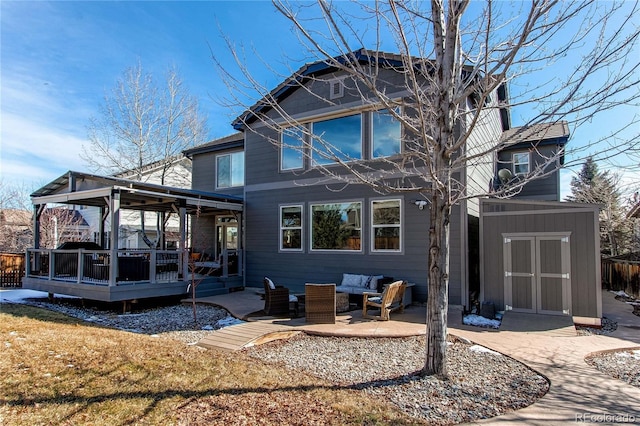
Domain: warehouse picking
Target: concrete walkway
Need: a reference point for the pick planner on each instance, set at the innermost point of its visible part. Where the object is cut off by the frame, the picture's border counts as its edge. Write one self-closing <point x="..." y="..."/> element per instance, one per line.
<point x="578" y="391"/>
<point x="547" y="344"/>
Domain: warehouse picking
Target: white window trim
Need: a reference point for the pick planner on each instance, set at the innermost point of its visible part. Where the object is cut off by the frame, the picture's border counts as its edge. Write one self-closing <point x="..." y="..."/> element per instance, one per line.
<point x="304" y="148"/>
<point x="513" y="162"/>
<point x="320" y="203"/>
<point x="373" y="226"/>
<point x="281" y="228"/>
<point x="231" y="185"/>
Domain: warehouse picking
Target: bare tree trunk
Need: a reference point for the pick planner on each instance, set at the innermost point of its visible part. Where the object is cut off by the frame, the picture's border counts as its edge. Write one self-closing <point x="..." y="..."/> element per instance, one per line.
<point x="438" y="290"/>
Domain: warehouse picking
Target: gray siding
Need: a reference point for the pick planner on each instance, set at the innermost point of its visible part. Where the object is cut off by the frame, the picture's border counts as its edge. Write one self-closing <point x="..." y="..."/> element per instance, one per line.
<point x="527" y="217"/>
<point x="482" y="141"/>
<point x="545" y="188"/>
<point x="204" y="174"/>
<point x="293" y="269"/>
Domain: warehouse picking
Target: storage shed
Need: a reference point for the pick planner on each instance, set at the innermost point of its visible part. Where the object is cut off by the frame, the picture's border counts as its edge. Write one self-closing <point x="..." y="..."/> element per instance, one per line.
<point x="541" y="257"/>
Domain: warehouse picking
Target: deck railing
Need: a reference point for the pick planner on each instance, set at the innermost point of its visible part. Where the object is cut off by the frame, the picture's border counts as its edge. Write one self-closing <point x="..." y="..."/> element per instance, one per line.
<point x="84" y="266"/>
<point x="94" y="266"/>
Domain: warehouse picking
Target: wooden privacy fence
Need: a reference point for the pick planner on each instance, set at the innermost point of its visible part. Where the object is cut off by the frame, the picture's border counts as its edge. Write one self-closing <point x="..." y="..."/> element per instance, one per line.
<point x="11" y="269"/>
<point x="622" y="273"/>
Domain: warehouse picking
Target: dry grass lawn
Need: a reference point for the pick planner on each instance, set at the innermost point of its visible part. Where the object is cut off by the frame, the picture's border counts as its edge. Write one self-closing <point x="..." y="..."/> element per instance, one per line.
<point x="58" y="370"/>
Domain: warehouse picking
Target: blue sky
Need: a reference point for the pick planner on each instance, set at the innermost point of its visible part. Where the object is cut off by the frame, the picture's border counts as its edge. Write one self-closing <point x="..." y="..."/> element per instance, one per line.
<point x="59" y="59"/>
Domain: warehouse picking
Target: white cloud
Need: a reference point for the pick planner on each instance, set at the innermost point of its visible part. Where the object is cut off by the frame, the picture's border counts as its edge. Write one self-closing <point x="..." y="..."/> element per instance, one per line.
<point x="36" y="152"/>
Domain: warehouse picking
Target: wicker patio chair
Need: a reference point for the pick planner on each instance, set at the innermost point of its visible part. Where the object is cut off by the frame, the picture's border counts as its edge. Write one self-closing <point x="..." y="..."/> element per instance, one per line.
<point x="388" y="301"/>
<point x="277" y="299"/>
<point x="320" y="303"/>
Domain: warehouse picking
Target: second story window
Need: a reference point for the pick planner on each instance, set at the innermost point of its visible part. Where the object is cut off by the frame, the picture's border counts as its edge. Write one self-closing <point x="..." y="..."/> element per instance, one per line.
<point x="337" y="137"/>
<point x="386" y="134"/>
<point x="292" y="148"/>
<point x="520" y="163"/>
<point x="230" y="170"/>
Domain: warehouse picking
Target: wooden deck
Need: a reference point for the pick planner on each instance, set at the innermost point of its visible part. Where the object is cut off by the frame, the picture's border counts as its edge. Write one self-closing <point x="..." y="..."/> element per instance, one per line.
<point x="236" y="337"/>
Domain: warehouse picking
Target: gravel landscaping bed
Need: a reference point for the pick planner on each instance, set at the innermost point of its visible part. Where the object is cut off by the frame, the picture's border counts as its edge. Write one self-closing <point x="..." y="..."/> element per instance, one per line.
<point x="623" y="364"/>
<point x="481" y="384"/>
<point x="173" y="321"/>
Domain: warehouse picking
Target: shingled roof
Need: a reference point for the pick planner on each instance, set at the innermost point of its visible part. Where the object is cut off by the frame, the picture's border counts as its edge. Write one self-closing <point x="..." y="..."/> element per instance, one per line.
<point x="537" y="134"/>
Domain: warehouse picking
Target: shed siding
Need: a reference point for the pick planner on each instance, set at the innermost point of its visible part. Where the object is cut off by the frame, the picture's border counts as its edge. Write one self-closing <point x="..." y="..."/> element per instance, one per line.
<point x="584" y="277"/>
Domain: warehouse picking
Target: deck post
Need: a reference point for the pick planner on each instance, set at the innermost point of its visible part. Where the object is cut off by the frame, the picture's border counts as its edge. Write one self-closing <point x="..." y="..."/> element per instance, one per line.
<point x="183" y="263"/>
<point x="153" y="266"/>
<point x="80" y="265"/>
<point x="114" y="213"/>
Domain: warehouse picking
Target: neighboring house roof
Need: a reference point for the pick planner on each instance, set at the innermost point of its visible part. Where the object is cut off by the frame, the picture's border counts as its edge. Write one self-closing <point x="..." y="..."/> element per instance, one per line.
<point x="383" y="59"/>
<point x="635" y="211"/>
<point x="235" y="140"/>
<point x="71" y="216"/>
<point x="154" y="166"/>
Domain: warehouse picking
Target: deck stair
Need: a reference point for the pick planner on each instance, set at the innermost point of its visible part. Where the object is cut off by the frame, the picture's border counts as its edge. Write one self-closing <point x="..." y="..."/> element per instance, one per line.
<point x="236" y="337"/>
<point x="214" y="286"/>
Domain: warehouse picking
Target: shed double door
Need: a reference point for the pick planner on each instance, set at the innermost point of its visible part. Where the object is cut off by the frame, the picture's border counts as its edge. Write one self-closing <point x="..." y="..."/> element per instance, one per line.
<point x="537" y="274"/>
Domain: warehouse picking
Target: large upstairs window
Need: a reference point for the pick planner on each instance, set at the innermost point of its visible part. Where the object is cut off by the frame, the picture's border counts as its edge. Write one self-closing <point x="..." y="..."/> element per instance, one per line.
<point x="230" y="170"/>
<point x="337" y="138"/>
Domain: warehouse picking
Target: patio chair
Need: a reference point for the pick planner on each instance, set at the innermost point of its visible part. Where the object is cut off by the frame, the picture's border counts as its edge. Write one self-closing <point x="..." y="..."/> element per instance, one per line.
<point x="277" y="299"/>
<point x="388" y="301"/>
<point x="320" y="303"/>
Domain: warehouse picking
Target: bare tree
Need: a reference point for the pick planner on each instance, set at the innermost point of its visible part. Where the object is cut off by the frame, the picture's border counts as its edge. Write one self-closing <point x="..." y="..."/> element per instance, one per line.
<point x="143" y="129"/>
<point x="450" y="60"/>
<point x="142" y="123"/>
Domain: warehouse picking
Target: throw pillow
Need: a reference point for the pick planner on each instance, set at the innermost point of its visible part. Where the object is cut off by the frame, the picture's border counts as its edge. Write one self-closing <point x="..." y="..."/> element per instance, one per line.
<point x="373" y="282"/>
<point x="351" y="280"/>
<point x="272" y="286"/>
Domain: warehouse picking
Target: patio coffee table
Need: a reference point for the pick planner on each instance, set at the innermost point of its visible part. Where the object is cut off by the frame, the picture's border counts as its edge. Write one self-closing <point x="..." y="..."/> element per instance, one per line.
<point x="342" y="302"/>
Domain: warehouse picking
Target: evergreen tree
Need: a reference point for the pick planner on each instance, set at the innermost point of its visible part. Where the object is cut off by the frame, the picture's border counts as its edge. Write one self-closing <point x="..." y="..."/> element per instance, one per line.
<point x="593" y="186"/>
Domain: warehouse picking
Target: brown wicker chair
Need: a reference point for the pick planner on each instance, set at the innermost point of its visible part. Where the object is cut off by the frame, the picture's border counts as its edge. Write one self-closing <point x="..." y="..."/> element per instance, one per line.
<point x="388" y="301"/>
<point x="276" y="300"/>
<point x="320" y="303"/>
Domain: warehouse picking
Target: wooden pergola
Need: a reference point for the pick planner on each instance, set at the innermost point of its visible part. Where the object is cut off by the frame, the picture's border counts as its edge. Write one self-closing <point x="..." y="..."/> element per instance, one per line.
<point x="112" y="195"/>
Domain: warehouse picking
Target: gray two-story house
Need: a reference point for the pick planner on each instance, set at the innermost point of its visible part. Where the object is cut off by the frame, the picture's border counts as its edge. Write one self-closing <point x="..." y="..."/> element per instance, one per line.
<point x="302" y="223"/>
<point x="266" y="201"/>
